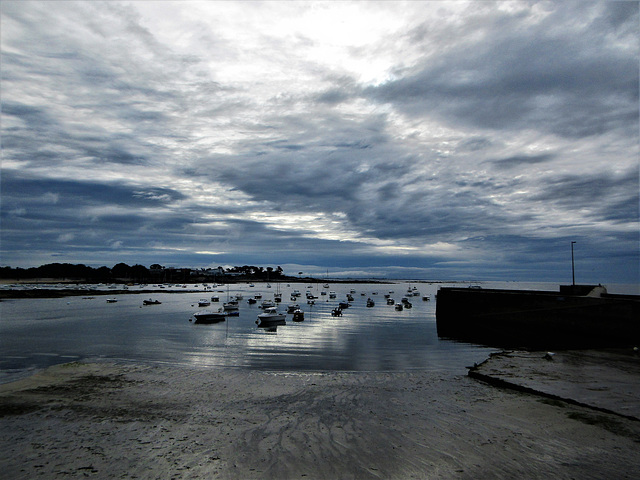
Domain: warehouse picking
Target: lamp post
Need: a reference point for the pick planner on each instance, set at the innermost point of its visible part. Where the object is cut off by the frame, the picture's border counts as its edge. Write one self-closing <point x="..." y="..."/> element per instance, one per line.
<point x="573" y="272"/>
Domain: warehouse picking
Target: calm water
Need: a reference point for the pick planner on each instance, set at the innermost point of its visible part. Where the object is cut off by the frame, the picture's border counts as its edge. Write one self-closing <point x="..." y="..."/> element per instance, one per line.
<point x="37" y="333"/>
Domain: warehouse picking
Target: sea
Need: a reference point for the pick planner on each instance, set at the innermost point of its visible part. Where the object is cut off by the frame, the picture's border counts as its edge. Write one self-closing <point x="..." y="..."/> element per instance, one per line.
<point x="36" y="333"/>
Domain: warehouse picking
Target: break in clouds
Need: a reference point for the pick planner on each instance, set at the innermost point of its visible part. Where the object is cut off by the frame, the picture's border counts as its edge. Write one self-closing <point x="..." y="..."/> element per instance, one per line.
<point x="436" y="140"/>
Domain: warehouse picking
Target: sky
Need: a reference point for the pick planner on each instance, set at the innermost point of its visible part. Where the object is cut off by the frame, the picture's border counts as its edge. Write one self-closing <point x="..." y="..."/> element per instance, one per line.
<point x="423" y="140"/>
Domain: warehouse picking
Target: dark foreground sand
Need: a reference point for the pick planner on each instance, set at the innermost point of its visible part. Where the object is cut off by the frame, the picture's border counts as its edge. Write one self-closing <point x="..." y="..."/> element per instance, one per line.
<point x="126" y="421"/>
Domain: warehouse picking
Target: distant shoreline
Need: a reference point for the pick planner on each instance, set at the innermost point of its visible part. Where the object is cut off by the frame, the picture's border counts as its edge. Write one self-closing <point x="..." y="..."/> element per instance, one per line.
<point x="82" y="291"/>
<point x="56" y="293"/>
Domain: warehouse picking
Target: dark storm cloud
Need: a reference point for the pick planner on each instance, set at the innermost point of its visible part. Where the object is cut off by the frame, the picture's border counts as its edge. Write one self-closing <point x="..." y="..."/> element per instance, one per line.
<point x="24" y="190"/>
<point x="522" y="160"/>
<point x="622" y="211"/>
<point x="586" y="189"/>
<point x="571" y="79"/>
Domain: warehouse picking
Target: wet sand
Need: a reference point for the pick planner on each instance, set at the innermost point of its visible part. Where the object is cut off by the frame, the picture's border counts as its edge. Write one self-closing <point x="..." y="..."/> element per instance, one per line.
<point x="148" y="422"/>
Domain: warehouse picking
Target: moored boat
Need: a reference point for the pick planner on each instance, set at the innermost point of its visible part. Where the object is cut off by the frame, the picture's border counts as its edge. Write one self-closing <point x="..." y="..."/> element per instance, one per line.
<point x="209" y="317"/>
<point x="151" y="302"/>
<point x="230" y="306"/>
<point x="271" y="316"/>
<point x="267" y="304"/>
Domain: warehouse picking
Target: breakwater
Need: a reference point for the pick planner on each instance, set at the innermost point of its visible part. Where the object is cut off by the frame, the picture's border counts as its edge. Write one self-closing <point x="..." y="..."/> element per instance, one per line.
<point x="568" y="318"/>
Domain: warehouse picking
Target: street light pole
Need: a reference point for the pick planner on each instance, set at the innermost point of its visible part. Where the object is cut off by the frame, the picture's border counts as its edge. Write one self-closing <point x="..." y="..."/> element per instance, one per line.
<point x="573" y="272"/>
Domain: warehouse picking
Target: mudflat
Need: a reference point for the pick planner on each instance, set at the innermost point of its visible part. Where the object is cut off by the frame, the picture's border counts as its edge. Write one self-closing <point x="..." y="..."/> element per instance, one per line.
<point x="101" y="420"/>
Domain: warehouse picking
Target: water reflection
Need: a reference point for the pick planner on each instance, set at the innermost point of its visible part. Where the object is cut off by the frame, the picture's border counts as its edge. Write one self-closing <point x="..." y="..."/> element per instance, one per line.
<point x="363" y="338"/>
<point x="269" y="328"/>
<point x="269" y="324"/>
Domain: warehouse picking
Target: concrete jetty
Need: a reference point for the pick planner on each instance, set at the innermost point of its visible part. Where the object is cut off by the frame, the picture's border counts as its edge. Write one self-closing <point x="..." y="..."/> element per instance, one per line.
<point x="602" y="380"/>
<point x="576" y="316"/>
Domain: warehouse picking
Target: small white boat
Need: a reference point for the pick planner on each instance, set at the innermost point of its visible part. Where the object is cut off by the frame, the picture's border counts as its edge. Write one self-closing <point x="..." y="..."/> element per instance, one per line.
<point x="298" y="315"/>
<point x="292" y="308"/>
<point x="215" y="298"/>
<point x="370" y="303"/>
<point x="209" y="317"/>
<point x="267" y="304"/>
<point x="332" y="294"/>
<point x="231" y="306"/>
<point x="203" y="302"/>
<point x="151" y="302"/>
<point x="112" y="300"/>
<point x="271" y="315"/>
<point x="399" y="307"/>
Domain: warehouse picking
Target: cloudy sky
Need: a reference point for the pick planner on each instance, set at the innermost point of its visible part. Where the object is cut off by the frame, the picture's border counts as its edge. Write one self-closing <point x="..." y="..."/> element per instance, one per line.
<point x="432" y="140"/>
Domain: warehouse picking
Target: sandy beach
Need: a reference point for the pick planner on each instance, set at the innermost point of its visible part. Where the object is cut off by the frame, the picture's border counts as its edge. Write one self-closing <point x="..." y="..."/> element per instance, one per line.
<point x="102" y="420"/>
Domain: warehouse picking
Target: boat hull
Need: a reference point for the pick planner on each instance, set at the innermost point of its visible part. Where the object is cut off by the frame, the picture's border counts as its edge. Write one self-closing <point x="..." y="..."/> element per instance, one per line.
<point x="208" y="318"/>
<point x="281" y="317"/>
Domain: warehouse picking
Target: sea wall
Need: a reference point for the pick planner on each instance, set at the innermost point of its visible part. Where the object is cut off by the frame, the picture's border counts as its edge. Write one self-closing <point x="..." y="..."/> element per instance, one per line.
<point x="537" y="320"/>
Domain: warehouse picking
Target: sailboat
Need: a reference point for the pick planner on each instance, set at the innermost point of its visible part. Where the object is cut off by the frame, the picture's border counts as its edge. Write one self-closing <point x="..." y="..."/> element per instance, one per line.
<point x="277" y="297"/>
<point x="230" y="306"/>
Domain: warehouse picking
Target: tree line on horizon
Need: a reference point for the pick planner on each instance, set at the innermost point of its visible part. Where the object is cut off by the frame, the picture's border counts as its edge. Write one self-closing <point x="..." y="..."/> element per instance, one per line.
<point x="139" y="273"/>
